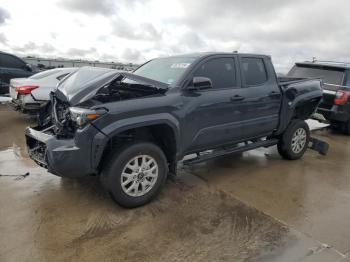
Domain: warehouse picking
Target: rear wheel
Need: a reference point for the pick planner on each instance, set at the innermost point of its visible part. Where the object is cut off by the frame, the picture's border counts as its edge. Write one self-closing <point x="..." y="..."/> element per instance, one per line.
<point x="135" y="174"/>
<point x="294" y="141"/>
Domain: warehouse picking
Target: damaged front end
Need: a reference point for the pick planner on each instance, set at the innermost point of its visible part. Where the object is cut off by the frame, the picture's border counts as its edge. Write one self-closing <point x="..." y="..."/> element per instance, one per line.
<point x="57" y="144"/>
<point x="62" y="141"/>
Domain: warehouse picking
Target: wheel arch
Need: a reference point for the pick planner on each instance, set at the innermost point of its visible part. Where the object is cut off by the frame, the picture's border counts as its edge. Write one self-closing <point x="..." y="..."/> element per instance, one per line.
<point x="162" y="131"/>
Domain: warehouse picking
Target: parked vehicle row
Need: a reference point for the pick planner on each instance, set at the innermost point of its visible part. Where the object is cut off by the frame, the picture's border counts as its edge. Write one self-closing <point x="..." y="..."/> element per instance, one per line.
<point x="131" y="129"/>
<point x="30" y="93"/>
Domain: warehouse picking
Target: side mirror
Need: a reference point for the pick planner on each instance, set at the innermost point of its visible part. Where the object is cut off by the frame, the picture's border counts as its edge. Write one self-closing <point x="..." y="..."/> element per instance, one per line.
<point x="291" y="93"/>
<point x="200" y="83"/>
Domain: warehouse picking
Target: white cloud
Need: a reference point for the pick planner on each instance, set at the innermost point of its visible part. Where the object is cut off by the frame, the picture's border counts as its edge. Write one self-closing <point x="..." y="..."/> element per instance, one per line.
<point x="136" y="30"/>
<point x="4" y="14"/>
<point x="103" y="7"/>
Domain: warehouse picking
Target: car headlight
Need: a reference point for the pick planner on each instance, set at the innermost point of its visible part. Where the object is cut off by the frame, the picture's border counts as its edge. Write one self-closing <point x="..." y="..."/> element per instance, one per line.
<point x="83" y="116"/>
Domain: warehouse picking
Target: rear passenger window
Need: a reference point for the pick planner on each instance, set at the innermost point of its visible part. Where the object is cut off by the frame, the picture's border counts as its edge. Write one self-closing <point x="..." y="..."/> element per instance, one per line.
<point x="254" y="71"/>
<point x="221" y="71"/>
<point x="9" y="61"/>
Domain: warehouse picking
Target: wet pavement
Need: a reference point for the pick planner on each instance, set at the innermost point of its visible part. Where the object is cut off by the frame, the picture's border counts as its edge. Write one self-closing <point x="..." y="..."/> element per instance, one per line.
<point x="254" y="207"/>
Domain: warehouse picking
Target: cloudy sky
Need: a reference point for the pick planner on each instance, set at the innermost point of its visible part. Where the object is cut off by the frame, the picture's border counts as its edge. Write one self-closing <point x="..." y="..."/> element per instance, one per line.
<point x="138" y="30"/>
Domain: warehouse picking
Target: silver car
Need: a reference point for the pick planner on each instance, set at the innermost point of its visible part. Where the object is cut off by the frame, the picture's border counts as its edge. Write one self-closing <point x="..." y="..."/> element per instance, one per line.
<point x="32" y="93"/>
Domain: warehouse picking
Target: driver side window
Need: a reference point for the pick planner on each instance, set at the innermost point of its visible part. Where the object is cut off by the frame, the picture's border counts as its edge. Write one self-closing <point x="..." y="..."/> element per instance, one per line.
<point x="221" y="71"/>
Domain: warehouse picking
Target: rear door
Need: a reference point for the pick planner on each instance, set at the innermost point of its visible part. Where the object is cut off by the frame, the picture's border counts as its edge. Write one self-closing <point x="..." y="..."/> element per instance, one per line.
<point x="262" y="96"/>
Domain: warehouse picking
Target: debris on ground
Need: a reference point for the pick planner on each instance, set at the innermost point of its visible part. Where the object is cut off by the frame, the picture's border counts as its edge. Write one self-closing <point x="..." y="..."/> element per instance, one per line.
<point x="17" y="177"/>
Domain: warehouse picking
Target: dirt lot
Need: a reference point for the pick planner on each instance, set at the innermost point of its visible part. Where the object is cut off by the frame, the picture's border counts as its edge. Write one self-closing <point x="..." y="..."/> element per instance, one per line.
<point x="255" y="207"/>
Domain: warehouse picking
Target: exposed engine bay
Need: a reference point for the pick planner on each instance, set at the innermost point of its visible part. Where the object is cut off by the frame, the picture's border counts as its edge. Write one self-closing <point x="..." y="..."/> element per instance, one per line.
<point x="57" y="119"/>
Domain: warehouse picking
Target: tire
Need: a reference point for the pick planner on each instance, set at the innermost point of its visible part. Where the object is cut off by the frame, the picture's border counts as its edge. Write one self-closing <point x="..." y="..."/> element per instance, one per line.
<point x="291" y="147"/>
<point x="133" y="187"/>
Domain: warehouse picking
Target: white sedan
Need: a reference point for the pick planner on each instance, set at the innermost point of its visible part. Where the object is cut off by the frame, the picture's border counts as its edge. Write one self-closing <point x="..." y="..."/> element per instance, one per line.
<point x="32" y="93"/>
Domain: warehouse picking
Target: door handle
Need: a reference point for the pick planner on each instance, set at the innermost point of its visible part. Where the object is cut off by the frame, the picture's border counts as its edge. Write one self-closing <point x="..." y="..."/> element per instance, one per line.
<point x="236" y="98"/>
<point x="274" y="93"/>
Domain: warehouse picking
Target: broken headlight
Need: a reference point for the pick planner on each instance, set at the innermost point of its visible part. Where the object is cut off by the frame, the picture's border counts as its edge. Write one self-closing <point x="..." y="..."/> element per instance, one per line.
<point x="83" y="116"/>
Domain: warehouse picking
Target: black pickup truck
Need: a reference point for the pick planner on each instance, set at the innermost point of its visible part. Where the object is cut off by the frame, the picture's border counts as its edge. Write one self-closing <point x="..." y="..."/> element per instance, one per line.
<point x="131" y="129"/>
<point x="335" y="105"/>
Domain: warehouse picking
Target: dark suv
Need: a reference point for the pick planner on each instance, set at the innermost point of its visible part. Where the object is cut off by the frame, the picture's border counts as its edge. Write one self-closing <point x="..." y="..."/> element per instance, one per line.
<point x="12" y="67"/>
<point x="335" y="105"/>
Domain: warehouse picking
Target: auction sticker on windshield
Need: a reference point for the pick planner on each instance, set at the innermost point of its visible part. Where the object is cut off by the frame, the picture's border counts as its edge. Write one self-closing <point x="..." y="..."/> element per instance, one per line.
<point x="180" y="65"/>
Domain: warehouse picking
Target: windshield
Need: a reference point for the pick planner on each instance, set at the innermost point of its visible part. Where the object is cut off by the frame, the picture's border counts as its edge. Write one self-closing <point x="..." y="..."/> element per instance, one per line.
<point x="44" y="74"/>
<point x="165" y="70"/>
<point x="329" y="75"/>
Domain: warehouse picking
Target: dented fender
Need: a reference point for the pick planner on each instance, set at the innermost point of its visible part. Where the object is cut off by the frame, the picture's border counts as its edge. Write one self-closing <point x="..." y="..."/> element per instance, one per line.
<point x="102" y="138"/>
<point x="62" y="157"/>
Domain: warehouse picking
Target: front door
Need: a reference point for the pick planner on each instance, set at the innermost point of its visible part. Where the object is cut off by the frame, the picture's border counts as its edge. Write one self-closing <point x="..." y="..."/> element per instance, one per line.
<point x="213" y="116"/>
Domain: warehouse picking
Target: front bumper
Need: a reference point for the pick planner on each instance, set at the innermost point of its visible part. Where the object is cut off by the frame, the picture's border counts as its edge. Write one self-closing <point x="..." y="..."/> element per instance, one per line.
<point x="62" y="157"/>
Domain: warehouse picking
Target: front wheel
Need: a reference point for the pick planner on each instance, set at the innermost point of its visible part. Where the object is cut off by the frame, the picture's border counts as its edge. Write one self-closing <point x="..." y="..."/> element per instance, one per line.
<point x="135" y="174"/>
<point x="294" y="141"/>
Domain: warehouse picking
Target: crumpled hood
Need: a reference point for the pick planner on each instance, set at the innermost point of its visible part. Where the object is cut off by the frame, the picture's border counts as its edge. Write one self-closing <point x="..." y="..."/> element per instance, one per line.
<point x="84" y="83"/>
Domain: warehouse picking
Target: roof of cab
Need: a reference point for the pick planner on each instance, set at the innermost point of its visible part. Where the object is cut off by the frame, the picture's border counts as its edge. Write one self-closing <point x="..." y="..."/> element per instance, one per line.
<point x="5" y="53"/>
<point x="206" y="54"/>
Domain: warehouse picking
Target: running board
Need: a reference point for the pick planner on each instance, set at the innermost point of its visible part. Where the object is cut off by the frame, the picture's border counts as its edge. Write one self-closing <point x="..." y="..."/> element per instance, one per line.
<point x="228" y="151"/>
